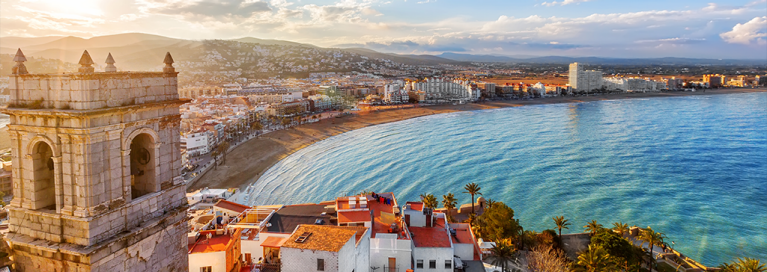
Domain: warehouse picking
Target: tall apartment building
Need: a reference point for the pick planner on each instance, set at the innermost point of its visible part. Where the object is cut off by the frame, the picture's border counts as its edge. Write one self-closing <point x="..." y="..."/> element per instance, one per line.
<point x="96" y="170"/>
<point x="584" y="80"/>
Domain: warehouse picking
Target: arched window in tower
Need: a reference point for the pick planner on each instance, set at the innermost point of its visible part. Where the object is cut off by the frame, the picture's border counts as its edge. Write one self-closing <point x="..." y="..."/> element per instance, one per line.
<point x="44" y="184"/>
<point x="142" y="170"/>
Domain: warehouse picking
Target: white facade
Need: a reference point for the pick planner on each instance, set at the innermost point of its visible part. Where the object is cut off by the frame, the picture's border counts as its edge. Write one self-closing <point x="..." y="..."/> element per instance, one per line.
<point x="582" y="80"/>
<point x="385" y="246"/>
<point x="441" y="257"/>
<point x="199" y="143"/>
<point x="442" y="90"/>
<point x="395" y="93"/>
<point x="305" y="260"/>
<point x="216" y="261"/>
<point x="254" y="246"/>
<point x="587" y="81"/>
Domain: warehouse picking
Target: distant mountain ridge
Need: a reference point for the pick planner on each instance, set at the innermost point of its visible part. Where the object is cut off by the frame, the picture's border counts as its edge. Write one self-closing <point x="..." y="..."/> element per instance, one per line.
<point x="598" y="60"/>
<point x="138" y="50"/>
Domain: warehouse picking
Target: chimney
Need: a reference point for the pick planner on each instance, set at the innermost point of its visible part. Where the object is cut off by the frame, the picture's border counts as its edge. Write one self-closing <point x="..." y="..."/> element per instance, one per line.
<point x="20" y="68"/>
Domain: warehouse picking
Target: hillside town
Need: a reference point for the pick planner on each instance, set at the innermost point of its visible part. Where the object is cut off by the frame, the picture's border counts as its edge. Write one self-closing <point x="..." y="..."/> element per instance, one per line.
<point x="198" y="124"/>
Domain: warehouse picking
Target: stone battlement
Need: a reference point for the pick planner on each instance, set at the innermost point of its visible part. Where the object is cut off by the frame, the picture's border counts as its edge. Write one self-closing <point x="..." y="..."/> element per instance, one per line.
<point x="89" y="91"/>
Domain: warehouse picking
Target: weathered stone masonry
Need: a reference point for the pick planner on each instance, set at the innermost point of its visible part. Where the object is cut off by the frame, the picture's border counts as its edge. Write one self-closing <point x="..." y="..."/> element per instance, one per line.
<point x="95" y="171"/>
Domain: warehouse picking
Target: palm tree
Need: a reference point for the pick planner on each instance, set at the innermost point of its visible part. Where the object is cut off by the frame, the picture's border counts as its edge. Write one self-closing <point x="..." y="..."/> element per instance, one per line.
<point x="489" y="203"/>
<point x="472" y="189"/>
<point x="429" y="201"/>
<point x="592" y="227"/>
<point x="652" y="238"/>
<point x="750" y="265"/>
<point x="215" y="154"/>
<point x="503" y="252"/>
<point x="595" y="259"/>
<point x="744" y="265"/>
<point x="222" y="148"/>
<point x="561" y="224"/>
<point x="621" y="228"/>
<point x="448" y="201"/>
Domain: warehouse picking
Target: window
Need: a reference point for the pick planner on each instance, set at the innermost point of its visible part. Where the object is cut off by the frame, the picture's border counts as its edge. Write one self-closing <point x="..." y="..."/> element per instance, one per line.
<point x="206" y="269"/>
<point x="433" y="264"/>
<point x="419" y="264"/>
<point x="448" y="264"/>
<point x="320" y="265"/>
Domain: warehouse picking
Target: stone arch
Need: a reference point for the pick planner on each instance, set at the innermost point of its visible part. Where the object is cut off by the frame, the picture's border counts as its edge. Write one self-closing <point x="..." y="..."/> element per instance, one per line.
<point x="40" y="138"/>
<point x="42" y="189"/>
<point x="142" y="160"/>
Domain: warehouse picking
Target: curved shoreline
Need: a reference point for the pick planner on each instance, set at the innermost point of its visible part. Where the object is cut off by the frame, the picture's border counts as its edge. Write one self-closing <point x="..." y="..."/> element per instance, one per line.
<point x="250" y="159"/>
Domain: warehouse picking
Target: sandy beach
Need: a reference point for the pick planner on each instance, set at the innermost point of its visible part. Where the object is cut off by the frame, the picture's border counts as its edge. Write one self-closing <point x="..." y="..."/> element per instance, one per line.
<point x="252" y="158"/>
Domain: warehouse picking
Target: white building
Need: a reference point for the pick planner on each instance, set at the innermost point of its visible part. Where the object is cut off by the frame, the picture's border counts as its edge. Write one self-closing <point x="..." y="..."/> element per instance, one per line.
<point x="587" y="81"/>
<point x="395" y="93"/>
<point x="444" y="90"/>
<point x="582" y="80"/>
<point x="435" y="242"/>
<point x="206" y="195"/>
<point x="199" y="142"/>
<point x="326" y="248"/>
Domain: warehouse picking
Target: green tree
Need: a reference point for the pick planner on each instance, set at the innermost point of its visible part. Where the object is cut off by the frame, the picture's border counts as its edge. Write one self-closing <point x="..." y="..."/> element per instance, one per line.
<point x="429" y="201"/>
<point x="561" y="223"/>
<point x="652" y="238"/>
<point x="472" y="189"/>
<point x="744" y="265"/>
<point x="498" y="223"/>
<point x="624" y="252"/>
<point x="448" y="202"/>
<point x="222" y="149"/>
<point x="2" y="201"/>
<point x="215" y="154"/>
<point x="596" y="259"/>
<point x="592" y="227"/>
<point x="503" y="252"/>
<point x="621" y="228"/>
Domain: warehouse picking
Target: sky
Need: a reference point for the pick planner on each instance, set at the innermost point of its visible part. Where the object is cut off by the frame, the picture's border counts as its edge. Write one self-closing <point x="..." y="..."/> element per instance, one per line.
<point x="602" y="28"/>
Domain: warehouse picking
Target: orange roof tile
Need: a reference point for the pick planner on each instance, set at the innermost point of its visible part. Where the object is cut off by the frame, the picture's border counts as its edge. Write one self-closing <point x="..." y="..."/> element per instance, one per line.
<point x="214" y="244"/>
<point x="324" y="238"/>
<point x="355" y="216"/>
<point x="231" y="206"/>
<point x="418" y="206"/>
<point x="272" y="241"/>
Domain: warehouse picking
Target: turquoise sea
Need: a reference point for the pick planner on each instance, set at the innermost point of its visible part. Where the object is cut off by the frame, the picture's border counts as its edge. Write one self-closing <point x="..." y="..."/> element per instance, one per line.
<point x="694" y="168"/>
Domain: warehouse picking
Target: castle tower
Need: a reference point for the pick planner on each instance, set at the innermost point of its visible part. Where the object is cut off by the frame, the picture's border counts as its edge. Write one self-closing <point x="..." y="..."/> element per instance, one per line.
<point x="96" y="171"/>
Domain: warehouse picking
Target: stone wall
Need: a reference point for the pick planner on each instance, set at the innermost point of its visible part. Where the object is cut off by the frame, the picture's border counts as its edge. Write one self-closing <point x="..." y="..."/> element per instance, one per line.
<point x="157" y="246"/>
<point x="91" y="91"/>
<point x="91" y="152"/>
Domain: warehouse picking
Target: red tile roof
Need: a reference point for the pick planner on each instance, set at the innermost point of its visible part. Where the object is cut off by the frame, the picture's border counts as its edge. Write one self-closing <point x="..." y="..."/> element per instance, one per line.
<point x="223" y="204"/>
<point x="418" y="206"/>
<point x="435" y="236"/>
<point x="355" y="216"/>
<point x="214" y="244"/>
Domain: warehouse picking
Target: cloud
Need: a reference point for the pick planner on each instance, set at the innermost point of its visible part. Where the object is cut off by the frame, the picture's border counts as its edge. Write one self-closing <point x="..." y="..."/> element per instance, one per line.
<point x="208" y="8"/>
<point x="754" y="31"/>
<point x="562" y="3"/>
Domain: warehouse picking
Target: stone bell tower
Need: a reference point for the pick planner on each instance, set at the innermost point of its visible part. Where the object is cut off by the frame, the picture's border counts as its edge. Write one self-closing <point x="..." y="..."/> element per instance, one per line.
<point x="96" y="170"/>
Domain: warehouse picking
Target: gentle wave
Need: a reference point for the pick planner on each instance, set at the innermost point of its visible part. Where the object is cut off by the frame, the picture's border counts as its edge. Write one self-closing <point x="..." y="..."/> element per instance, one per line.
<point x="693" y="167"/>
